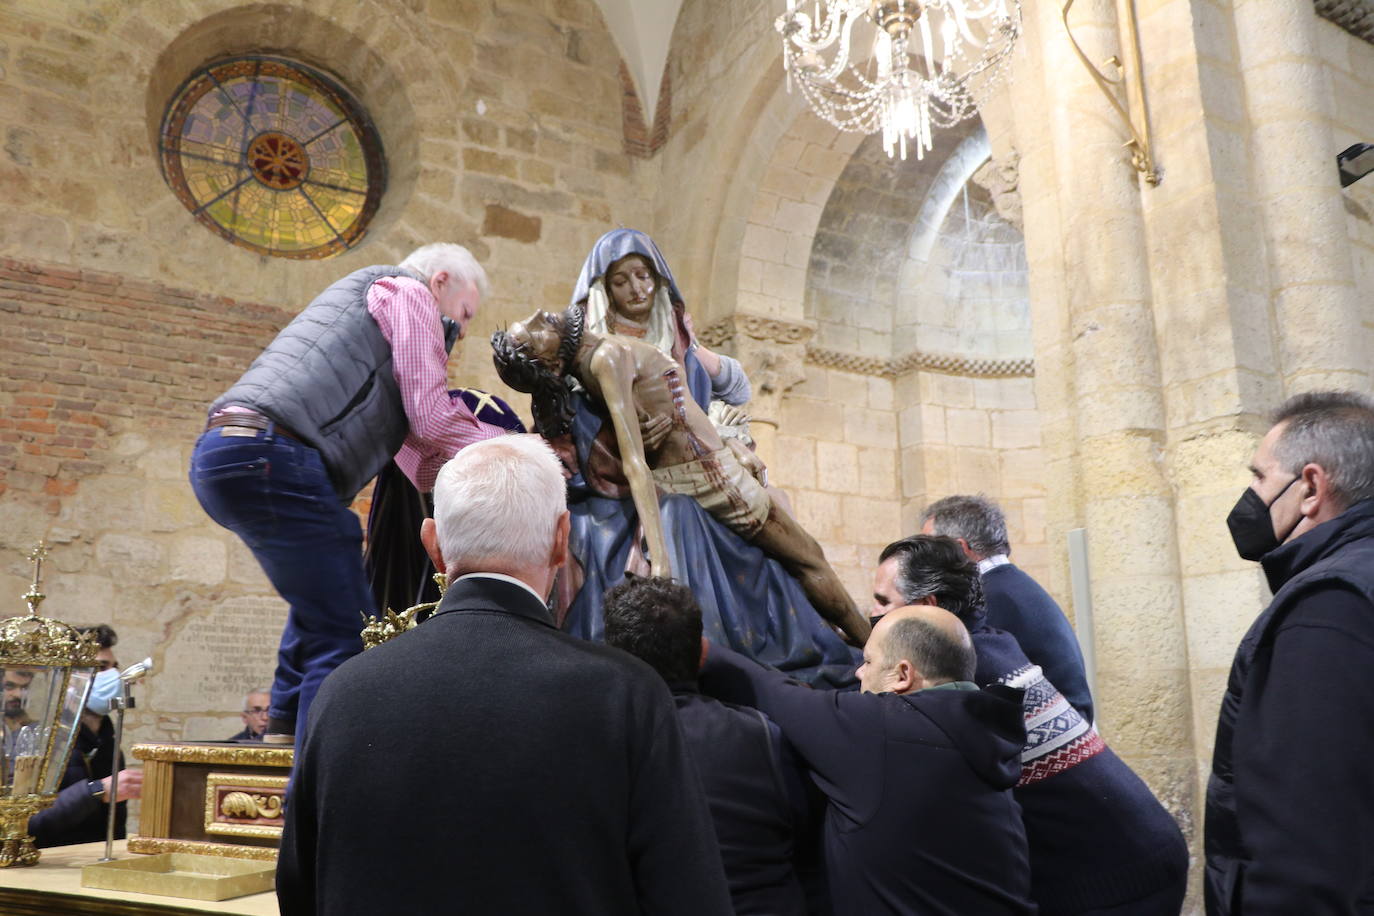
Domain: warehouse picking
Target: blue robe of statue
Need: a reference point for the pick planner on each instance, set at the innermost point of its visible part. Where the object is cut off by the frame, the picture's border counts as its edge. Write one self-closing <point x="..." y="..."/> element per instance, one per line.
<point x="748" y="601"/>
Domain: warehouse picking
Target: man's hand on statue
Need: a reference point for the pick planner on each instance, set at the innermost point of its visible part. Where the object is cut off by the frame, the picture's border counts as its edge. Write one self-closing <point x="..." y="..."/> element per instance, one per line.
<point x="130" y="785"/>
<point x="654" y="429"/>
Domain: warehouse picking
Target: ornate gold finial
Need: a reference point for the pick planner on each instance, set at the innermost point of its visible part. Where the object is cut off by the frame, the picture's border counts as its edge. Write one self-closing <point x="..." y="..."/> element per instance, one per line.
<point x="377" y="630"/>
<point x="33" y="596"/>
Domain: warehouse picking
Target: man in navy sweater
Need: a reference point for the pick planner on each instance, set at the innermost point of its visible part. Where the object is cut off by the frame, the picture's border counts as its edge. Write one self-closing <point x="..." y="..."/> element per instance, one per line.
<point x="1015" y="602"/>
<point x="1100" y="842"/>
<point x="916" y="770"/>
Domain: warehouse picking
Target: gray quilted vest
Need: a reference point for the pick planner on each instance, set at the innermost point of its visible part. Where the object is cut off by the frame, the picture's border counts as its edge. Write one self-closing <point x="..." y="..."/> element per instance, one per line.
<point x="327" y="377"/>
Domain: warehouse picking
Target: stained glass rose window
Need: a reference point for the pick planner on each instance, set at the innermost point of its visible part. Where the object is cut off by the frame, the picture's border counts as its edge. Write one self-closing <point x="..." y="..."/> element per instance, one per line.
<point x="274" y="156"/>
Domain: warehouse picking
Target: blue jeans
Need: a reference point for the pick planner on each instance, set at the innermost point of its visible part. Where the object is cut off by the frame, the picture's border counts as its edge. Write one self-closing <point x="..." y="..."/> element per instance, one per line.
<point x="274" y="493"/>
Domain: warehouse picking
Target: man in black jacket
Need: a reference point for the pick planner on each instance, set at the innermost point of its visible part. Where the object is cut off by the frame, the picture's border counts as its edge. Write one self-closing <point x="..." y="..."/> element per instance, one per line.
<point x="758" y="801"/>
<point x="1101" y="844"/>
<point x="1290" y="802"/>
<point x="917" y="770"/>
<point x="486" y="762"/>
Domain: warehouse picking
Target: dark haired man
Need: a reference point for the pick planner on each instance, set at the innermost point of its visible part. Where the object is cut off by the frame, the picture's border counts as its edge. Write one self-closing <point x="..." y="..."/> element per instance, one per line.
<point x="1290" y="802"/>
<point x="917" y="770"/>
<point x="758" y="801"/>
<point x="1100" y="842"/>
<point x="632" y="378"/>
<point x="81" y="812"/>
<point x="1016" y="602"/>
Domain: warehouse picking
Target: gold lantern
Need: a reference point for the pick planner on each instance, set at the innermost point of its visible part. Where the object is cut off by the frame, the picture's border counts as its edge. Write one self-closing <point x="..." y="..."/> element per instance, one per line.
<point x="48" y="668"/>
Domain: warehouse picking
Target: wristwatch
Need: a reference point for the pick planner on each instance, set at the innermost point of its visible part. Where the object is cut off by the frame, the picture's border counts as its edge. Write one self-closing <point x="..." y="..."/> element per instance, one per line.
<point x="97" y="788"/>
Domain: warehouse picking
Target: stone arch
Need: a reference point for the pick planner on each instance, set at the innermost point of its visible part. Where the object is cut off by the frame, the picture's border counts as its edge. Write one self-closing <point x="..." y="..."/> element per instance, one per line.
<point x="963" y="288"/>
<point x="862" y="240"/>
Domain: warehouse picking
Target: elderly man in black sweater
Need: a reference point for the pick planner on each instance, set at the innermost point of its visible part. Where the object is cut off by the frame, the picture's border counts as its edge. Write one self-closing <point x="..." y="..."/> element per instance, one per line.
<point x="917" y="770"/>
<point x="508" y="767"/>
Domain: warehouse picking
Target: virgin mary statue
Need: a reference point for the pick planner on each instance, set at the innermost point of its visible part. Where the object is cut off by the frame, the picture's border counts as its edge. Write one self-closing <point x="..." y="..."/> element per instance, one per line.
<point x="748" y="601"/>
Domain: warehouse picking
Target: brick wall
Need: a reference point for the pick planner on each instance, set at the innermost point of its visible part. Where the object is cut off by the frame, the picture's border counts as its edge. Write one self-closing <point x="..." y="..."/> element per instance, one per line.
<point x="87" y="351"/>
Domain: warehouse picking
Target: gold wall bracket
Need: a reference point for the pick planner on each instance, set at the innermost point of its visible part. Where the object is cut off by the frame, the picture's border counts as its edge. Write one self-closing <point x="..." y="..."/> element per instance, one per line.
<point x="1132" y="80"/>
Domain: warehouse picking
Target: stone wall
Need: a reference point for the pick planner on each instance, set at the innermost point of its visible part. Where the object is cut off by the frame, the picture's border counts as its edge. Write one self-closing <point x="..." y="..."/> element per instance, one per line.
<point x="1350" y="69"/>
<point x="837" y="459"/>
<point x="105" y="388"/>
<point x="503" y="125"/>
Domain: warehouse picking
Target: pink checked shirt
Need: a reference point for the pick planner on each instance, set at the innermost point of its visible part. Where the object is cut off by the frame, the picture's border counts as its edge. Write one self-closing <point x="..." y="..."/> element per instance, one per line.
<point x="408" y="316"/>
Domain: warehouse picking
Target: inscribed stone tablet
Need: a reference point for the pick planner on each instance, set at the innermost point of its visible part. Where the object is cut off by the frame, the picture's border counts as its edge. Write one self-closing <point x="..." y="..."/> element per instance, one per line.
<point x="219" y="656"/>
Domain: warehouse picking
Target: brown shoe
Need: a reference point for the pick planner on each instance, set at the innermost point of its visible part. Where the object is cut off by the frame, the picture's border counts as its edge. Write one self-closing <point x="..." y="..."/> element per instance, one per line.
<point x="280" y="731"/>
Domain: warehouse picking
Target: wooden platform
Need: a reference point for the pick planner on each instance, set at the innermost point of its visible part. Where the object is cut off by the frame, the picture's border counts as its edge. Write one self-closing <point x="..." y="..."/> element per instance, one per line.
<point x="53" y="888"/>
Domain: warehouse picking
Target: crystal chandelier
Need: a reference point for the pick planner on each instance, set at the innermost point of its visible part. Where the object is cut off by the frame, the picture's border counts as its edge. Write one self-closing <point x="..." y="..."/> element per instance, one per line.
<point x="932" y="61"/>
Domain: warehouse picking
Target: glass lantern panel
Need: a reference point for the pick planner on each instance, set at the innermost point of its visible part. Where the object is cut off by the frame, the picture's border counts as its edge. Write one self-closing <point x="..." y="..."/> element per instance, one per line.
<point x="68" y="724"/>
<point x="29" y="700"/>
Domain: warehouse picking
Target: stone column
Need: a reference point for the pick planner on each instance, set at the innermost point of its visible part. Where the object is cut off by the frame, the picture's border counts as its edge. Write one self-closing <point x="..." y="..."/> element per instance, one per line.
<point x="1210" y="285"/>
<point x="1098" y="374"/>
<point x="1322" y="341"/>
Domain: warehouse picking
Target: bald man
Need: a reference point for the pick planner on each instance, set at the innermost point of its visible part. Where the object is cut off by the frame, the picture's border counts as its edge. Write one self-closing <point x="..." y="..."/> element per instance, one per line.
<point x="917" y="769"/>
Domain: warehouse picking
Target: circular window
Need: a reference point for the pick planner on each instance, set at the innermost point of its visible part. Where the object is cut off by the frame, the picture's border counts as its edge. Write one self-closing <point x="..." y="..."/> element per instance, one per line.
<point x="274" y="156"/>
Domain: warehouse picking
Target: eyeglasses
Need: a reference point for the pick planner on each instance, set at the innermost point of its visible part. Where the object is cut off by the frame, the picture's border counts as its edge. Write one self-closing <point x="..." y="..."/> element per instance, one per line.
<point x="256" y="711"/>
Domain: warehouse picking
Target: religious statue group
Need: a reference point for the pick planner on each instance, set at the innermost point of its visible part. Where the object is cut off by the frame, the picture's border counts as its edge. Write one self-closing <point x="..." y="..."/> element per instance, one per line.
<point x="772" y="750"/>
<point x="626" y="394"/>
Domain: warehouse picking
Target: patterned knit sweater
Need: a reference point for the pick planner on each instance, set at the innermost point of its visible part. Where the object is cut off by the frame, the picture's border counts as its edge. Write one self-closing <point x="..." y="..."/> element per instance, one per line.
<point x="1098" y="837"/>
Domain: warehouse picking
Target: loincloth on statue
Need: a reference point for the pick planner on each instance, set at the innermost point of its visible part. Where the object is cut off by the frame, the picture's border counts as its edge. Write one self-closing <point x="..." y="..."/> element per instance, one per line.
<point x="723" y="487"/>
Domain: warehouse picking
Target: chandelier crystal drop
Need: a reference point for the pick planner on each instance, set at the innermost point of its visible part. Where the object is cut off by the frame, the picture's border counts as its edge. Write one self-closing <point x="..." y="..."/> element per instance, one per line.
<point x="899" y="66"/>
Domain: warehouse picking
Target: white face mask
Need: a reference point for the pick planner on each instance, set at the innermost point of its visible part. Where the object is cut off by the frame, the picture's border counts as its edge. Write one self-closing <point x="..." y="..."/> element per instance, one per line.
<point x="104" y="689"/>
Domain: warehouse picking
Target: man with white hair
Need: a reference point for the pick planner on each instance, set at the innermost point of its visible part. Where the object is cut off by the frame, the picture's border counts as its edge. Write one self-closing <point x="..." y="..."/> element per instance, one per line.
<point x="356" y="378"/>
<point x="489" y="761"/>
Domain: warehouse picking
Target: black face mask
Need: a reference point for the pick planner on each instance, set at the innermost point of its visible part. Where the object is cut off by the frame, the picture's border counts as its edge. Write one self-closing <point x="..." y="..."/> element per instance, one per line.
<point x="1252" y="529"/>
<point x="873" y="621"/>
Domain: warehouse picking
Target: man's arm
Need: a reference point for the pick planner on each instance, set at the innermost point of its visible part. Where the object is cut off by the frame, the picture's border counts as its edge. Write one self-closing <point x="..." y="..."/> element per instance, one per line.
<point x="613" y="369"/>
<point x="74" y="804"/>
<point x="839" y="735"/>
<point x="1021" y="606"/>
<point x="1303" y="781"/>
<point x="439" y="425"/>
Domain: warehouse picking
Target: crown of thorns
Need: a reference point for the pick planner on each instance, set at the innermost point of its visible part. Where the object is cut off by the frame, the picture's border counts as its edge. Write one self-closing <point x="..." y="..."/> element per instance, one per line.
<point x="551" y="394"/>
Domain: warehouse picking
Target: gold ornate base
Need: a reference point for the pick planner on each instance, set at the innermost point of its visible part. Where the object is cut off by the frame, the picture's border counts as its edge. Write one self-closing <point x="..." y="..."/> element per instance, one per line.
<point x="16" y="846"/>
<point x="17" y="851"/>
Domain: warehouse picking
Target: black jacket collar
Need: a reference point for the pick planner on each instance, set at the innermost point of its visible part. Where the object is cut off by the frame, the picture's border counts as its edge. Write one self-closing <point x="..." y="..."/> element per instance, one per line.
<point x="483" y="593"/>
<point x="1287" y="560"/>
